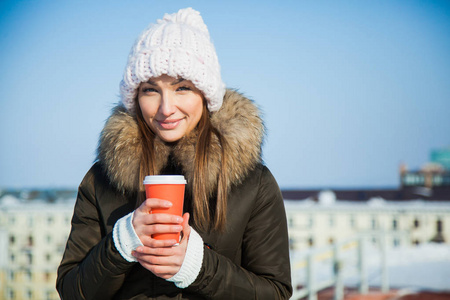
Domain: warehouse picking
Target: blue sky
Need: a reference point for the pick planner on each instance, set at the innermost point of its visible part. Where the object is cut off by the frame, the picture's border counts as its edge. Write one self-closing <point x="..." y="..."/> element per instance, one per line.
<point x="349" y="89"/>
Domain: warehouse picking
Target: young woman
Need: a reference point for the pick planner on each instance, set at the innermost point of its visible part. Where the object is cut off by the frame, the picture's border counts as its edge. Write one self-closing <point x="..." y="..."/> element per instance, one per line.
<point x="176" y="117"/>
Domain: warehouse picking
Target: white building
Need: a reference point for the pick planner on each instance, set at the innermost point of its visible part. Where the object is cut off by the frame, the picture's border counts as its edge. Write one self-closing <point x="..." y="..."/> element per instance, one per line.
<point x="316" y="224"/>
<point x="33" y="236"/>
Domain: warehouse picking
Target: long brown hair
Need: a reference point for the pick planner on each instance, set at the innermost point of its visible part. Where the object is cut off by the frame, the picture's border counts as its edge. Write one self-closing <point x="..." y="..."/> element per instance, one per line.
<point x="209" y="212"/>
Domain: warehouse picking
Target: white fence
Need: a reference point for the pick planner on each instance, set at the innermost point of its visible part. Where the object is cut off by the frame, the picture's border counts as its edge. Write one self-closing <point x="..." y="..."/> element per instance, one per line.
<point x="318" y="269"/>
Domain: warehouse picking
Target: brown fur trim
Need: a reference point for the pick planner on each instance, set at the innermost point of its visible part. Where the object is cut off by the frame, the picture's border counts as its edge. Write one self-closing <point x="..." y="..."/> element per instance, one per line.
<point x="238" y="120"/>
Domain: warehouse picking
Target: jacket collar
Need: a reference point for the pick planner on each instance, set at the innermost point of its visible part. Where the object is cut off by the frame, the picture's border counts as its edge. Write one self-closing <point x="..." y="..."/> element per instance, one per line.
<point x="238" y="120"/>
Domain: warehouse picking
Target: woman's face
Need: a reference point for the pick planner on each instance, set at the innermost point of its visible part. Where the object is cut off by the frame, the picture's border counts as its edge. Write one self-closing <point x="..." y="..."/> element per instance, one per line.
<point x="172" y="107"/>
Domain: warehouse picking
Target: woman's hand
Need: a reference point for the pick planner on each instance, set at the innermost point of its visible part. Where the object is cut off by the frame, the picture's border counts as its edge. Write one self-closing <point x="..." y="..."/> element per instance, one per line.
<point x="145" y="223"/>
<point x="160" y="257"/>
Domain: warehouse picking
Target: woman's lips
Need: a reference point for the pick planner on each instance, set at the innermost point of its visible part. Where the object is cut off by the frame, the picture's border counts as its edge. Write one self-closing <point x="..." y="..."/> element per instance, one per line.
<point x="169" y="124"/>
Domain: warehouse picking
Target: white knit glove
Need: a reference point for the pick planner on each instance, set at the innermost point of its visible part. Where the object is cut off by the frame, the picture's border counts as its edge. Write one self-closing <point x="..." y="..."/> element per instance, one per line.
<point x="125" y="238"/>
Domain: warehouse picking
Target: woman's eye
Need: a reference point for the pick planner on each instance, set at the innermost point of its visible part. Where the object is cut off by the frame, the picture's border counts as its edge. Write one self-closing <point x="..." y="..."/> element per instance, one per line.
<point x="148" y="90"/>
<point x="184" y="88"/>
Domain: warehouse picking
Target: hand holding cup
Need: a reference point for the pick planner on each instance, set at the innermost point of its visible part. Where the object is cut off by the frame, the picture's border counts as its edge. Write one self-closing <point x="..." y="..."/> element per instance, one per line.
<point x="147" y="224"/>
<point x="158" y="223"/>
<point x="165" y="262"/>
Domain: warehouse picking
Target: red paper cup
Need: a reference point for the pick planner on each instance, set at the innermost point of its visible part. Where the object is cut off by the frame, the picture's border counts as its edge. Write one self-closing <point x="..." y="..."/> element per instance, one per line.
<point x="166" y="187"/>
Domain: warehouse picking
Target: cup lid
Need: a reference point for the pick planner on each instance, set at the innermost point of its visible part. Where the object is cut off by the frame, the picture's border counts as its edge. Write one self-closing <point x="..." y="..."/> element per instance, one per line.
<point x="164" y="179"/>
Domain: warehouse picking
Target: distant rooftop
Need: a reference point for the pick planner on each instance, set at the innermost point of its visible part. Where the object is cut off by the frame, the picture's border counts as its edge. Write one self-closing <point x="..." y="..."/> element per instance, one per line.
<point x="441" y="193"/>
<point x="51" y="194"/>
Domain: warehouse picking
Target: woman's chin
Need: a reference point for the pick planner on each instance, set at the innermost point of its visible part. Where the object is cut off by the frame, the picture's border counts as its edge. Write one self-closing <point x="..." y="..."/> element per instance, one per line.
<point x="170" y="137"/>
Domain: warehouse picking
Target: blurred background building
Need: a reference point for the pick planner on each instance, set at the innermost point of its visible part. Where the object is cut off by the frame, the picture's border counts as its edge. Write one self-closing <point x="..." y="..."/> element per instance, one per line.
<point x="329" y="228"/>
<point x="432" y="181"/>
<point x="34" y="227"/>
<point x="326" y="221"/>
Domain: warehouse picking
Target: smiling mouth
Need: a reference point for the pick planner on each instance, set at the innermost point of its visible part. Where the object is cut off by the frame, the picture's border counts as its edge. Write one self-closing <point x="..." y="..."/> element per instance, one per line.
<point x="170" y="124"/>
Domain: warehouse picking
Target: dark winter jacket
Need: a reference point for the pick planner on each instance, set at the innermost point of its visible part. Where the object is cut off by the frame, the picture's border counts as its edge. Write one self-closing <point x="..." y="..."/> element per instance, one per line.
<point x="249" y="260"/>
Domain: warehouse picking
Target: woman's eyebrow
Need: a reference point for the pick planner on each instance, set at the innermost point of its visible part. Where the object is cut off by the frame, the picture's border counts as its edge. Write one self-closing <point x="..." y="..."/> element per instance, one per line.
<point x="150" y="82"/>
<point x="178" y="81"/>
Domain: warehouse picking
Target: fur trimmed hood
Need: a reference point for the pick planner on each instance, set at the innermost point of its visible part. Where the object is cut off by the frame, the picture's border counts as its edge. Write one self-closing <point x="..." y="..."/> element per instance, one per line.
<point x="238" y="120"/>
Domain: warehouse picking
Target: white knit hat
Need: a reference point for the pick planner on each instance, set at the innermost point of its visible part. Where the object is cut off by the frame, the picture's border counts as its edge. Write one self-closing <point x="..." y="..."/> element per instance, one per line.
<point x="178" y="46"/>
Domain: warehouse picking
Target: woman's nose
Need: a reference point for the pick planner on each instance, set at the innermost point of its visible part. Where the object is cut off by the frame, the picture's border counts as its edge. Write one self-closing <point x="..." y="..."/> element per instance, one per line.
<point x="167" y="106"/>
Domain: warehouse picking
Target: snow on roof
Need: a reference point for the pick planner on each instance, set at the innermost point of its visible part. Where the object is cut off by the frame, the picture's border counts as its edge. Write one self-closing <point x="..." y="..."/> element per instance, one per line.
<point x="378" y="204"/>
<point x="12" y="203"/>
